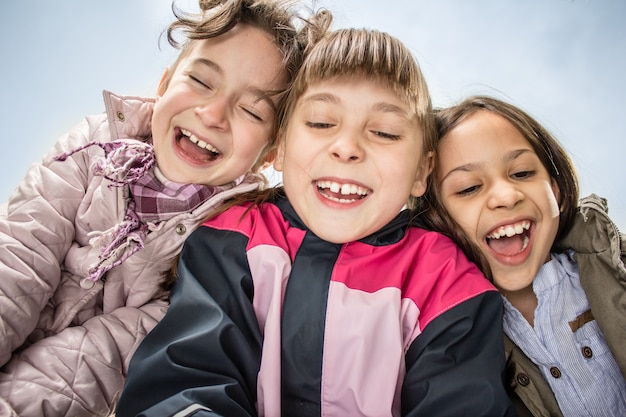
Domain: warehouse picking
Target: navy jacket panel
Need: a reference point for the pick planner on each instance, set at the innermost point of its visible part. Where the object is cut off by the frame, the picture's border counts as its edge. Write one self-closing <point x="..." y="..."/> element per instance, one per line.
<point x="207" y="349"/>
<point x="450" y="359"/>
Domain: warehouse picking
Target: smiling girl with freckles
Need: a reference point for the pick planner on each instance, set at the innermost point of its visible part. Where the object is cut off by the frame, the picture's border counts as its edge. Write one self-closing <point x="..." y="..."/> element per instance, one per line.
<point x="504" y="182"/>
<point x="325" y="296"/>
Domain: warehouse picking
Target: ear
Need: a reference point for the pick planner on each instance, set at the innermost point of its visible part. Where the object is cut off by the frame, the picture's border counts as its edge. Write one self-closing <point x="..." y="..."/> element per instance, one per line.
<point x="421" y="178"/>
<point x="269" y="158"/>
<point x="163" y="83"/>
<point x="279" y="161"/>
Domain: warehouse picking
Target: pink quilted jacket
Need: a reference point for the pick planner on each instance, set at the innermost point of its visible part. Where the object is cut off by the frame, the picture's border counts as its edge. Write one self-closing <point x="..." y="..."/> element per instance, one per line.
<point x="66" y="341"/>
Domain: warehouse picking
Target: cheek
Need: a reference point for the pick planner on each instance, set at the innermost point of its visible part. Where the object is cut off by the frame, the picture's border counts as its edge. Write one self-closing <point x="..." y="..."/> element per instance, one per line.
<point x="397" y="168"/>
<point x="298" y="152"/>
<point x="454" y="209"/>
<point x="465" y="215"/>
<point x="552" y="201"/>
<point x="251" y="140"/>
<point x="159" y="136"/>
<point x="159" y="120"/>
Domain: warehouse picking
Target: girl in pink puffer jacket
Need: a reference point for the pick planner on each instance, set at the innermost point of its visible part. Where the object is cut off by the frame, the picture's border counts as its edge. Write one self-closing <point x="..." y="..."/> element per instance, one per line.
<point x="91" y="229"/>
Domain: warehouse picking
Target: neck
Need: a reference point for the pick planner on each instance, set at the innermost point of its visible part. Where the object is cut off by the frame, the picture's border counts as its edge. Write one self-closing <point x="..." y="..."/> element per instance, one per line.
<point x="525" y="301"/>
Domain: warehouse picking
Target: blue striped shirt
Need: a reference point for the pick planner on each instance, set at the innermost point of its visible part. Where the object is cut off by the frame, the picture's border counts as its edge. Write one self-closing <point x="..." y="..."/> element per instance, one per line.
<point x="579" y="367"/>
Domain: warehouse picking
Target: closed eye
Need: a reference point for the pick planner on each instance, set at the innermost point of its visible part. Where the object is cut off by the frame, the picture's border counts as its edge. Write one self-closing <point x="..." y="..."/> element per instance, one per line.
<point x="319" y="125"/>
<point x="253" y="114"/>
<point x="199" y="81"/>
<point x="385" y="135"/>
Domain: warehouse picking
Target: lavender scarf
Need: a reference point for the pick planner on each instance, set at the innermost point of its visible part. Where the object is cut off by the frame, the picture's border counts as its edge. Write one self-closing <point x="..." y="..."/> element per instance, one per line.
<point x="153" y="198"/>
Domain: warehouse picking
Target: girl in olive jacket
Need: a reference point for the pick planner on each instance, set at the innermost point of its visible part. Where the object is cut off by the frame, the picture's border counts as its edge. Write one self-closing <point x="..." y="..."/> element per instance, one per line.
<point x="511" y="189"/>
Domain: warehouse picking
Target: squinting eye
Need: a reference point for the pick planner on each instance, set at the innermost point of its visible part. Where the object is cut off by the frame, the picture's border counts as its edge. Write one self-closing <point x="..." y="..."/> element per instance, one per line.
<point x="198" y="81"/>
<point x="385" y="135"/>
<point x="319" y="125"/>
<point x="468" y="190"/>
<point x="254" y="115"/>
<point x="523" y="174"/>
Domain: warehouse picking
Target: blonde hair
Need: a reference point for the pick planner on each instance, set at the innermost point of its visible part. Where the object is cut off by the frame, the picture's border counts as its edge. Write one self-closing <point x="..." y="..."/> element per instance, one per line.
<point x="371" y="53"/>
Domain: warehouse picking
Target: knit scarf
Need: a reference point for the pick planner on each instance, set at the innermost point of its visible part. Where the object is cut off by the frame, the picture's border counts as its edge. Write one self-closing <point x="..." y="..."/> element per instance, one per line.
<point x="153" y="198"/>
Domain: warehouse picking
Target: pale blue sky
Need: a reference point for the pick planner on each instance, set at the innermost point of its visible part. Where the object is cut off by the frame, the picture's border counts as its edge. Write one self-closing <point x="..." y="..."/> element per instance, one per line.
<point x="561" y="60"/>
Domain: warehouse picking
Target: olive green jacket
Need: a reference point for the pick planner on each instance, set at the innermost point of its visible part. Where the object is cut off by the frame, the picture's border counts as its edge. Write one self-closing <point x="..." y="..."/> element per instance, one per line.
<point x="600" y="251"/>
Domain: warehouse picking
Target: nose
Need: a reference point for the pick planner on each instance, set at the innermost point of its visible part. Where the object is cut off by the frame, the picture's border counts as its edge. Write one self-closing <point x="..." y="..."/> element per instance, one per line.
<point x="504" y="194"/>
<point x="347" y="148"/>
<point x="214" y="112"/>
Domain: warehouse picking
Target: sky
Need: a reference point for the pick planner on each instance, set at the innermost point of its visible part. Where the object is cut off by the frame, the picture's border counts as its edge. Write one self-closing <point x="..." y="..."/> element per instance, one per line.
<point x="563" y="61"/>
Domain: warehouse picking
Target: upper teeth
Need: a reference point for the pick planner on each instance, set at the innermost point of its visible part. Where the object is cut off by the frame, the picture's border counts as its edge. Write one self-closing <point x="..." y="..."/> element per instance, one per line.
<point x="193" y="138"/>
<point x="344" y="189"/>
<point x="510" y="230"/>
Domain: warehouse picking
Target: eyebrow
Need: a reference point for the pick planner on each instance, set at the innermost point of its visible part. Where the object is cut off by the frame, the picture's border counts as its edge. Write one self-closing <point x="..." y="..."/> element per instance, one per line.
<point x="208" y="63"/>
<point x="382" y="106"/>
<point x="391" y="108"/>
<point x="472" y="166"/>
<point x="324" y="97"/>
<point x="259" y="93"/>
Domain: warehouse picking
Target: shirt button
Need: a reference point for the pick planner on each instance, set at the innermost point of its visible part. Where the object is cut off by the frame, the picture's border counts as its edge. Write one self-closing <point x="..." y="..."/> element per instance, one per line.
<point x="120" y="116"/>
<point x="555" y="372"/>
<point x="523" y="379"/>
<point x="181" y="229"/>
<point x="587" y="352"/>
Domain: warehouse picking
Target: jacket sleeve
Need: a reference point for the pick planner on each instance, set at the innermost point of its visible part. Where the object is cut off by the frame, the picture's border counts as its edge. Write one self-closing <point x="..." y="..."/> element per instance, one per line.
<point x="36" y="232"/>
<point x="204" y="356"/>
<point x="457" y="363"/>
<point x="85" y="365"/>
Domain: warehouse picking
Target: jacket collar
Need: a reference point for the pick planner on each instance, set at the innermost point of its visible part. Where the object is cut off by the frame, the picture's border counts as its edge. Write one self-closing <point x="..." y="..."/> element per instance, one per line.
<point x="391" y="233"/>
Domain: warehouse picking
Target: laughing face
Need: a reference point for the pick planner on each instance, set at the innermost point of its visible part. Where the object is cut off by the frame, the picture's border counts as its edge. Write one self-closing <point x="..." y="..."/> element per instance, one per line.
<point x="213" y="116"/>
<point x="351" y="155"/>
<point x="493" y="184"/>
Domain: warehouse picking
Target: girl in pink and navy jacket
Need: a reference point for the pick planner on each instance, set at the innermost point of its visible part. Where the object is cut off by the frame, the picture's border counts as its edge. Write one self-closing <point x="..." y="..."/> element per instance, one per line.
<point x="327" y="298"/>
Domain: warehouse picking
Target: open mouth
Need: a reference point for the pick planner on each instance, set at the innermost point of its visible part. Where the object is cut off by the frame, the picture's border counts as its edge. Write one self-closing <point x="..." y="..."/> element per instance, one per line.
<point x="511" y="239"/>
<point x="342" y="193"/>
<point x="195" y="147"/>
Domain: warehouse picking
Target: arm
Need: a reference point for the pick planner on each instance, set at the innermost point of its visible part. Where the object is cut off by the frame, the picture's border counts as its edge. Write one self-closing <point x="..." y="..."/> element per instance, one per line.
<point x="456" y="366"/>
<point x="79" y="371"/>
<point x="36" y="231"/>
<point x="204" y="356"/>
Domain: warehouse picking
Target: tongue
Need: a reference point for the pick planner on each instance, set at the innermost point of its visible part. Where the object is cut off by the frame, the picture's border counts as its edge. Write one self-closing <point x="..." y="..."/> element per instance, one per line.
<point x="195" y="151"/>
<point x="340" y="196"/>
<point x="508" y="246"/>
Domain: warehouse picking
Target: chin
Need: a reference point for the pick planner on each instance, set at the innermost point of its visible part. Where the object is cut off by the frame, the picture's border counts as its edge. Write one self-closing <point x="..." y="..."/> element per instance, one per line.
<point x="177" y="177"/>
<point x="338" y="237"/>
